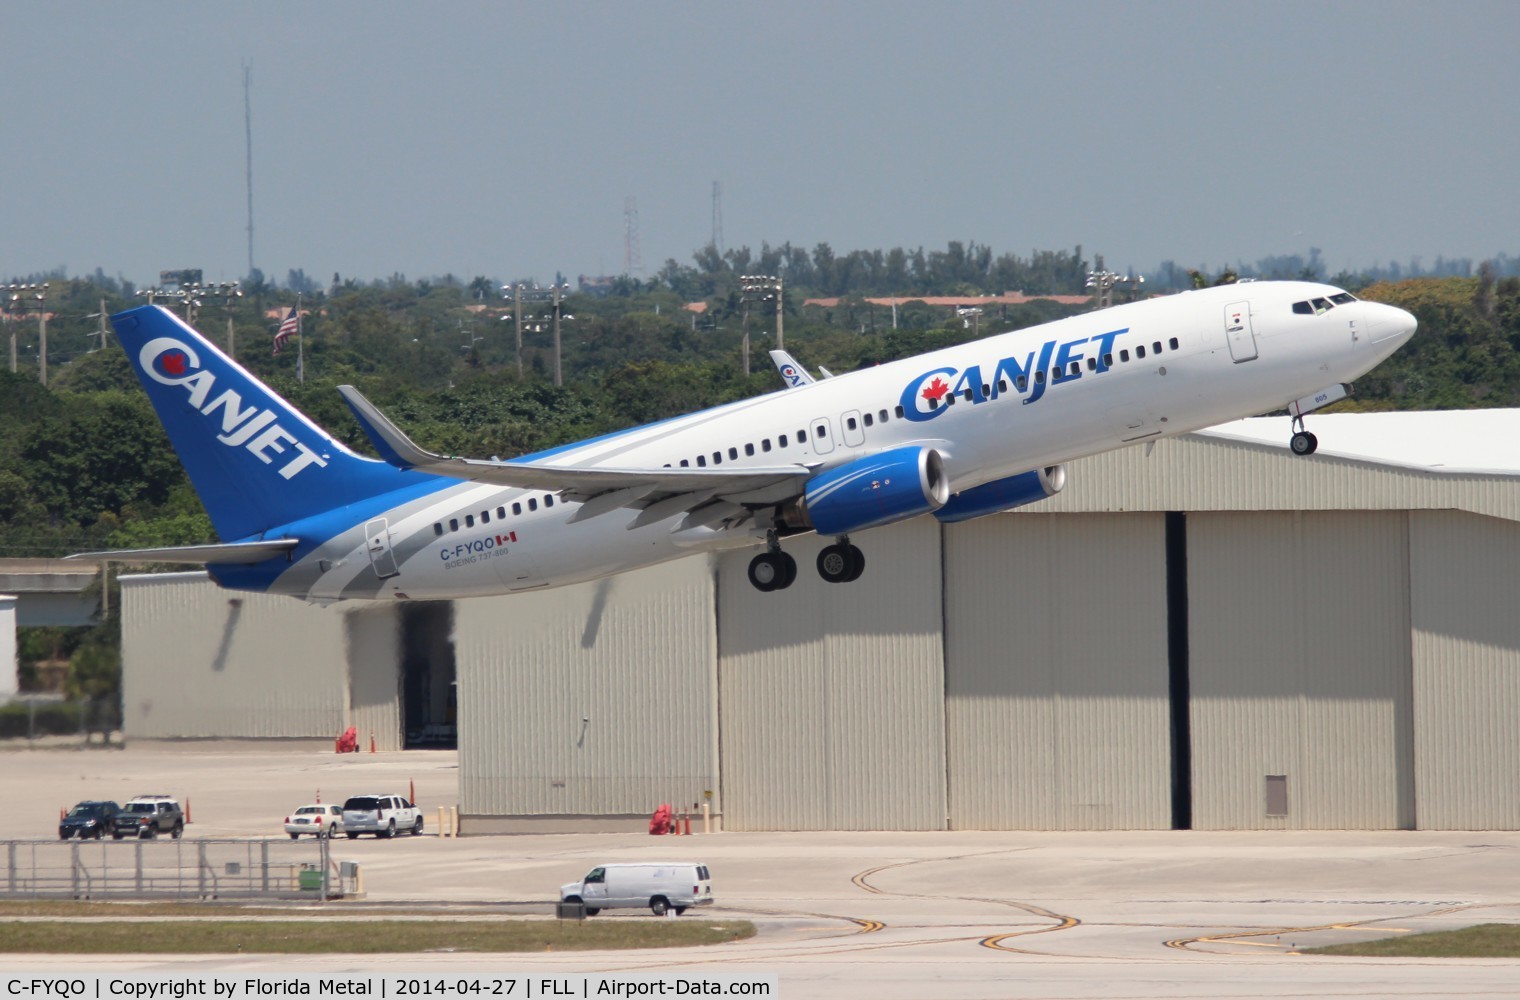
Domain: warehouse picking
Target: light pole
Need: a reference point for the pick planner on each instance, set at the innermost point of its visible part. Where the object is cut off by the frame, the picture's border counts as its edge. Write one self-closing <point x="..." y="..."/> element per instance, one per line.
<point x="21" y="296"/>
<point x="1103" y="282"/>
<point x="554" y="294"/>
<point x="760" y="288"/>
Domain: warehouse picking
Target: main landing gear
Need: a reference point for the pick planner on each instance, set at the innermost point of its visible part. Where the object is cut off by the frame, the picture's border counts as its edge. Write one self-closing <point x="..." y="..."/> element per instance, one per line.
<point x="775" y="570"/>
<point x="1302" y="442"/>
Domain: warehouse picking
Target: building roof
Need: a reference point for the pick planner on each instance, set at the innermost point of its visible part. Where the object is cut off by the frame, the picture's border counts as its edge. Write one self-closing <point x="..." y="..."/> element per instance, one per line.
<point x="1486" y="440"/>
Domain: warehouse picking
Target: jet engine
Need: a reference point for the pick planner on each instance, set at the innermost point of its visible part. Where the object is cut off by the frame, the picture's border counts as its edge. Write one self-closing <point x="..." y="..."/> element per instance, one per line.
<point x="877" y="489"/>
<point x="1003" y="494"/>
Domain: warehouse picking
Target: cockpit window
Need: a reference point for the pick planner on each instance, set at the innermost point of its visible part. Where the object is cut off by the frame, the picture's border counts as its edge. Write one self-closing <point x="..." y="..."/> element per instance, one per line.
<point x="1318" y="307"/>
<point x="1342" y="298"/>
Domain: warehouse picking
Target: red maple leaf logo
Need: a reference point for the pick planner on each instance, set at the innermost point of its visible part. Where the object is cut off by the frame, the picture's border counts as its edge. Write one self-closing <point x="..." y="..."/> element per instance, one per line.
<point x="936" y="390"/>
<point x="174" y="363"/>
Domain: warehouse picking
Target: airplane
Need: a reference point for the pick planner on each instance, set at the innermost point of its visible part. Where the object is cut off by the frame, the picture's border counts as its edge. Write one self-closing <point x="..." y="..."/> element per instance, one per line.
<point x="957" y="433"/>
<point x="793" y="374"/>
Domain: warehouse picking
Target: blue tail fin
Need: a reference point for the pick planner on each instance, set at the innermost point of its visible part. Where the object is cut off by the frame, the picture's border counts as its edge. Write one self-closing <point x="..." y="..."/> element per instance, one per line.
<point x="255" y="460"/>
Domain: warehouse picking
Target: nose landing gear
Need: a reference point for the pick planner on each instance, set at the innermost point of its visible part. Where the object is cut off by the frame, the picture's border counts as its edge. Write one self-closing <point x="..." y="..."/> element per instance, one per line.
<point x="1302" y="442"/>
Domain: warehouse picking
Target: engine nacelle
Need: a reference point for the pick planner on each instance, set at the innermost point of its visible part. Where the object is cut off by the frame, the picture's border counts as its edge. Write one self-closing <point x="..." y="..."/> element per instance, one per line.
<point x="878" y="489"/>
<point x="1003" y="494"/>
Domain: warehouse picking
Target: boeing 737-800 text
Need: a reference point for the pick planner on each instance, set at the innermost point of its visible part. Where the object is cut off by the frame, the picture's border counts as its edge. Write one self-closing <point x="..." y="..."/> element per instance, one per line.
<point x="954" y="434"/>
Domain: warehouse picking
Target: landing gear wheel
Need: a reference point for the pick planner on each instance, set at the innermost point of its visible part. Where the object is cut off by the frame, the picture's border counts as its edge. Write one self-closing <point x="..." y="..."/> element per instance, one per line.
<point x="1304" y="443"/>
<point x="841" y="563"/>
<point x="772" y="571"/>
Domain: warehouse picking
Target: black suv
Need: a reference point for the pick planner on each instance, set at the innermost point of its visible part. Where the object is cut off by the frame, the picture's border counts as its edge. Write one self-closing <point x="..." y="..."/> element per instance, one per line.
<point x="149" y="815"/>
<point x="89" y="820"/>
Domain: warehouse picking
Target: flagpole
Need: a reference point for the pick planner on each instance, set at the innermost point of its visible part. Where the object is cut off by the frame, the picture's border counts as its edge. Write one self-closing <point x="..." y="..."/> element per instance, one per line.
<point x="300" y="345"/>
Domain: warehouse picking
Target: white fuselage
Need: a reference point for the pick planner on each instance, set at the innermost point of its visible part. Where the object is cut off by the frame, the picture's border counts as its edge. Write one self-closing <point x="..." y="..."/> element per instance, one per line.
<point x="1023" y="400"/>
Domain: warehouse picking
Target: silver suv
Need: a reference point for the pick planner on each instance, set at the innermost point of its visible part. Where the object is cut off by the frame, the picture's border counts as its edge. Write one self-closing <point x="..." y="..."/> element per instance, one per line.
<point x="382" y="815"/>
<point x="149" y="815"/>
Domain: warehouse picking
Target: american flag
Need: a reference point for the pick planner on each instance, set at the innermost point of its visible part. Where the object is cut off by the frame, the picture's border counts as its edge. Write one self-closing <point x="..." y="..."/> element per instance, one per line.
<point x="288" y="329"/>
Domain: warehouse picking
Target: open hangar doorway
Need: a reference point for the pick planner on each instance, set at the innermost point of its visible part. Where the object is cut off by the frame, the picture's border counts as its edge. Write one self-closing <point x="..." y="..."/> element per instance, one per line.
<point x="429" y="714"/>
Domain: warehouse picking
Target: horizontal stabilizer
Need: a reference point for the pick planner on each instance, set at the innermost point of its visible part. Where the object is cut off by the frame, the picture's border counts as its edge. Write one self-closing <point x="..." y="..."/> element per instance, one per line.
<point x="198" y="555"/>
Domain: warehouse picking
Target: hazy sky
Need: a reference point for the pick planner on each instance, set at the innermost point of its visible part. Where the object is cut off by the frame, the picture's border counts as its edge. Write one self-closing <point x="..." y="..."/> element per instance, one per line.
<point x="504" y="138"/>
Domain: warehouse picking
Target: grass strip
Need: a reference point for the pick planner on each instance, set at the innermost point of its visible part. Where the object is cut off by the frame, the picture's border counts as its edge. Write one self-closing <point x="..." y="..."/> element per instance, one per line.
<point x="1482" y="941"/>
<point x="308" y="937"/>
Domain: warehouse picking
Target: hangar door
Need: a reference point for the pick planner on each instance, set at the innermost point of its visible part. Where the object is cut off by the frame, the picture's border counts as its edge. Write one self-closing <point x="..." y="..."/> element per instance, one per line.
<point x="1300" y="670"/>
<point x="831" y="696"/>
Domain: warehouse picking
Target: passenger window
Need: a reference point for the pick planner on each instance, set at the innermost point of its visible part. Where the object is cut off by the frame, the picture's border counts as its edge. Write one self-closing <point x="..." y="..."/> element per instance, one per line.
<point x="899" y="411"/>
<point x="1156" y="347"/>
<point x="438" y="529"/>
<point x="821" y="431"/>
<point x="882" y="416"/>
<point x="801" y="436"/>
<point x="685" y="463"/>
<point x="765" y="444"/>
<point x="1139" y="351"/>
<point x="516" y="509"/>
<point x="1076" y="367"/>
<point x="1002" y="385"/>
<point x="469" y="520"/>
<point x="1023" y="383"/>
<point x="850" y="423"/>
<point x="485" y="517"/>
<point x="1092" y="364"/>
<point x="1124" y="354"/>
<point x="733" y="454"/>
<point x="869" y="421"/>
<point x="501" y="513"/>
<point x="781" y="441"/>
<point x="1039" y="377"/>
<point x="453" y="524"/>
<point x="549" y="501"/>
<point x="749" y="449"/>
<point x="533" y="503"/>
<point x="702" y="461"/>
<point x="1172" y="343"/>
<point x="717" y="458"/>
<point x="1108" y="361"/>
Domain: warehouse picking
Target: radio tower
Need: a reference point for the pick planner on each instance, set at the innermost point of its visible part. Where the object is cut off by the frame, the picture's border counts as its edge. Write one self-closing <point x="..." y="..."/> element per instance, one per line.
<point x="633" y="263"/>
<point x="717" y="237"/>
<point x="248" y="132"/>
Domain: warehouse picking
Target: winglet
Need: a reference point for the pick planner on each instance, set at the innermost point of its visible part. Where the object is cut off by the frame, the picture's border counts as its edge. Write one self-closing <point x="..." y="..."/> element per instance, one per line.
<point x="792" y="373"/>
<point x="393" y="445"/>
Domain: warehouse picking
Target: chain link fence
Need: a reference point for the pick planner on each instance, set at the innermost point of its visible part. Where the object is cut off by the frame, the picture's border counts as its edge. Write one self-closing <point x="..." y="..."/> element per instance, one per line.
<point x="173" y="869"/>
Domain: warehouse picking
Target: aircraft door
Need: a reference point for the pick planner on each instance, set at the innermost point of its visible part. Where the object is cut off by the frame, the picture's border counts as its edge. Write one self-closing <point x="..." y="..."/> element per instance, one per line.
<point x="377" y="534"/>
<point x="851" y="429"/>
<point x="823" y="435"/>
<point x="1237" y="328"/>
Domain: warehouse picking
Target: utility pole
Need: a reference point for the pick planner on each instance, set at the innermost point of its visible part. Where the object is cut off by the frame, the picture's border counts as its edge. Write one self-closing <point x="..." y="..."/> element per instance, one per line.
<point x="22" y="296"/>
<point x="1103" y="282"/>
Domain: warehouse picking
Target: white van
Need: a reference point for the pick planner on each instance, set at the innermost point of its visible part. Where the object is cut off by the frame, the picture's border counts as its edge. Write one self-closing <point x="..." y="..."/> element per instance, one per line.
<point x="661" y="886"/>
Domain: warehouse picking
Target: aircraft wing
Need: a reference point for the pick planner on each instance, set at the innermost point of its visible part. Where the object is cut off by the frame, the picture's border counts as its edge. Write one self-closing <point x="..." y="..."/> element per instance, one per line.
<point x="197" y="555"/>
<point x="655" y="491"/>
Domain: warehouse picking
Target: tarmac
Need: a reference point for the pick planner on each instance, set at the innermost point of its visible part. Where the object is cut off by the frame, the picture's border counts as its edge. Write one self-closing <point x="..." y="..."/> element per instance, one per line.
<point x="1102" y="915"/>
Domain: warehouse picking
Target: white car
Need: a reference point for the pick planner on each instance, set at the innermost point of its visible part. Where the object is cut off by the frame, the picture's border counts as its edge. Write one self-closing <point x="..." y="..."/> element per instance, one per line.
<point x="661" y="886"/>
<point x="320" y="819"/>
<point x="382" y="815"/>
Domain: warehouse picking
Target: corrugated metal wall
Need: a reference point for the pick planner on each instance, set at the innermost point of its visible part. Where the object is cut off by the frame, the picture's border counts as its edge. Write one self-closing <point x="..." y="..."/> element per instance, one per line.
<point x="201" y="661"/>
<point x="633" y="656"/>
<point x="1466" y="670"/>
<point x="1056" y="673"/>
<point x="832" y="708"/>
<point x="373" y="633"/>
<point x="1300" y="667"/>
